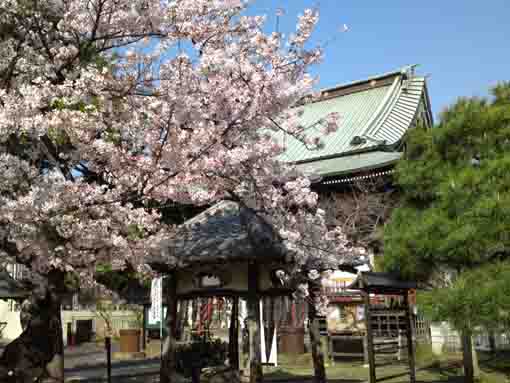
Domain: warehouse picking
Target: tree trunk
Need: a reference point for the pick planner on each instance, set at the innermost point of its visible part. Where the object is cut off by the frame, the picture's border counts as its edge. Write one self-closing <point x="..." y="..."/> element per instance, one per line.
<point x="253" y="321"/>
<point x="410" y="341"/>
<point x="38" y="353"/>
<point x="255" y="356"/>
<point x="492" y="341"/>
<point x="168" y="362"/>
<point x="315" y="341"/>
<point x="233" y="335"/>
<point x="369" y="338"/>
<point x="470" y="360"/>
<point x="317" y="352"/>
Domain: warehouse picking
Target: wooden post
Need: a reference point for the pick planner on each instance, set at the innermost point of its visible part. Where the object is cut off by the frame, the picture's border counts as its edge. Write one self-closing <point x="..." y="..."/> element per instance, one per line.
<point x="194" y="313"/>
<point x="331" y="351"/>
<point x="144" y="329"/>
<point x="409" y="336"/>
<point x="365" y="350"/>
<point x="254" y="324"/>
<point x="470" y="360"/>
<point x="108" y="346"/>
<point x="399" y="345"/>
<point x="233" y="335"/>
<point x="167" y="372"/>
<point x="181" y="313"/>
<point x="370" y="337"/>
<point x="315" y="341"/>
<point x="492" y="341"/>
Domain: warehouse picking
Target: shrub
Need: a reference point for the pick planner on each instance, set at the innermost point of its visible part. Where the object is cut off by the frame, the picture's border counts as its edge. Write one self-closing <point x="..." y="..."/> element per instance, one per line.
<point x="200" y="354"/>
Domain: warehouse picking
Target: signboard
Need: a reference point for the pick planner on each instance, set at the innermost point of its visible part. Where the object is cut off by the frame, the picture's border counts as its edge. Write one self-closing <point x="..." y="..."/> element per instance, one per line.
<point x="156" y="300"/>
<point x="360" y="312"/>
<point x="272" y="359"/>
<point x="152" y="322"/>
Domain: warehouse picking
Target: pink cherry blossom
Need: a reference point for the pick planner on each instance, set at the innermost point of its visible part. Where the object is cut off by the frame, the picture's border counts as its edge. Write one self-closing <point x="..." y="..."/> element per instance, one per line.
<point x="107" y="106"/>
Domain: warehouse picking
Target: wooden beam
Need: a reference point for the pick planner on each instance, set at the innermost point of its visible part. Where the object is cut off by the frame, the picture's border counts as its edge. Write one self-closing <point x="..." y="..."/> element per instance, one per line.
<point x="370" y="338"/>
<point x="366" y="360"/>
<point x="144" y="329"/>
<point x="220" y="292"/>
<point x="410" y="342"/>
<point x="315" y="341"/>
<point x="181" y="313"/>
<point x="233" y="335"/>
<point x="254" y="324"/>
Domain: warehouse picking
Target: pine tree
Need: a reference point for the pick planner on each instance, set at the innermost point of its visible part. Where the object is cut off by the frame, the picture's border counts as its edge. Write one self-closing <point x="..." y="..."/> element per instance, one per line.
<point x="452" y="227"/>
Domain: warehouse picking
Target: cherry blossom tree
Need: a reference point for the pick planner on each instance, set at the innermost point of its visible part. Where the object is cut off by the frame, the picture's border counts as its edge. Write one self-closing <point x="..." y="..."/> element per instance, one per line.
<point x="112" y="109"/>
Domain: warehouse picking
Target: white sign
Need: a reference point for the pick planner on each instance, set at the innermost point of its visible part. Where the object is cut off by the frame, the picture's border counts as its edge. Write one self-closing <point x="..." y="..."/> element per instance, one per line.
<point x="151" y="322"/>
<point x="360" y="312"/>
<point x="156" y="296"/>
<point x="273" y="358"/>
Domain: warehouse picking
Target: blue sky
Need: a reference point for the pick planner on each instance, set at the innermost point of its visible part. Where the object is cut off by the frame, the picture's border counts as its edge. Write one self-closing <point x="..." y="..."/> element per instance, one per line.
<point x="464" y="45"/>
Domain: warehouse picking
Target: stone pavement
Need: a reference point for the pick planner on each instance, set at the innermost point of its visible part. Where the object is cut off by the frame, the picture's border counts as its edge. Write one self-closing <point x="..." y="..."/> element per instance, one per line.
<point x="82" y="355"/>
<point x="86" y="354"/>
<point x="139" y="371"/>
<point x="86" y="363"/>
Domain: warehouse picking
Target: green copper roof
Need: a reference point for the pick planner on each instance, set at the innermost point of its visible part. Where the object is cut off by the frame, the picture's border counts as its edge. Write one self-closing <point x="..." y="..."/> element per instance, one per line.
<point x="348" y="164"/>
<point x="355" y="112"/>
<point x="374" y="116"/>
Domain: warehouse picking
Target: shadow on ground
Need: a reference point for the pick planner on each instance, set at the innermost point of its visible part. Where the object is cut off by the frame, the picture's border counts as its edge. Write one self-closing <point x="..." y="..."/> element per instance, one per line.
<point x="499" y="362"/>
<point x="304" y="379"/>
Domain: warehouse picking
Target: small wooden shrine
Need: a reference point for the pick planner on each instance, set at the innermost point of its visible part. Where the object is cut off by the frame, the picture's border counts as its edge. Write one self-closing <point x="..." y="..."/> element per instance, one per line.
<point x="371" y="283"/>
<point x="226" y="251"/>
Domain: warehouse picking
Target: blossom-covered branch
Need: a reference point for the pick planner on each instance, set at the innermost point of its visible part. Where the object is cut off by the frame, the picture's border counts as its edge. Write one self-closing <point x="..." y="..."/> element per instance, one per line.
<point x="109" y="108"/>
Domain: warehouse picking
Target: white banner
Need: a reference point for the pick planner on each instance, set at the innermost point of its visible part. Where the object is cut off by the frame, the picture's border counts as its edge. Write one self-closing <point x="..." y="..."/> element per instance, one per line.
<point x="273" y="352"/>
<point x="262" y="333"/>
<point x="155" y="313"/>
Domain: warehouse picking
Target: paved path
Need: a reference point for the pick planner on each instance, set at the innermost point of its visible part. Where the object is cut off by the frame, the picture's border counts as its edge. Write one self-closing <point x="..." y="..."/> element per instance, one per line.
<point x="88" y="362"/>
<point x="86" y="354"/>
<point x="126" y="371"/>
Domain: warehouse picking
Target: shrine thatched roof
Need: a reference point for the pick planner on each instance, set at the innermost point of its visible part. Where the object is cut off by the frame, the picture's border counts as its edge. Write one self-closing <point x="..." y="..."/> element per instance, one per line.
<point x="383" y="283"/>
<point x="226" y="232"/>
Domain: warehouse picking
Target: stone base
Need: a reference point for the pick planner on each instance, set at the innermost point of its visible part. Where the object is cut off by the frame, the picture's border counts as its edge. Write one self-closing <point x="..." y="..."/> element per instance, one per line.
<point x="245" y="378"/>
<point x="74" y="379"/>
<point x="128" y="355"/>
<point x="178" y="378"/>
<point x="220" y="374"/>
